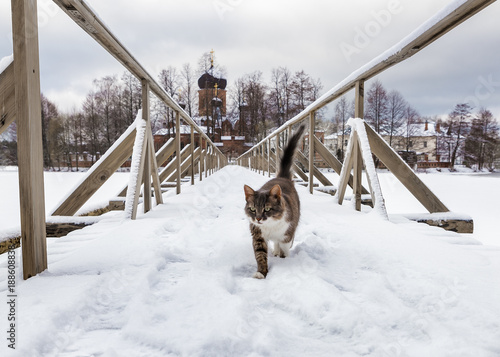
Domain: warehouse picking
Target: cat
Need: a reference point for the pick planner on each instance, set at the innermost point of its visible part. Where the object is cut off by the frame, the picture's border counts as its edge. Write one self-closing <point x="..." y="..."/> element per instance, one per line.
<point x="274" y="210"/>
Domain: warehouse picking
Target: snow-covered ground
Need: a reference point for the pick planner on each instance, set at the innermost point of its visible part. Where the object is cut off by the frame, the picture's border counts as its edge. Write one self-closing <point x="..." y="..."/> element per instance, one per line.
<point x="177" y="281"/>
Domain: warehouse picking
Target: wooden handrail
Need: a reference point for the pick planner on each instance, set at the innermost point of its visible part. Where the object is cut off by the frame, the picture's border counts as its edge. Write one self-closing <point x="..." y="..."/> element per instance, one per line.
<point x="90" y="22"/>
<point x="423" y="36"/>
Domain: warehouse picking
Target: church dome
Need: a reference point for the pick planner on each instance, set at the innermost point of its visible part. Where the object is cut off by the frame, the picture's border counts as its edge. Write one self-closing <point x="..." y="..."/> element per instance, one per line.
<point x="208" y="81"/>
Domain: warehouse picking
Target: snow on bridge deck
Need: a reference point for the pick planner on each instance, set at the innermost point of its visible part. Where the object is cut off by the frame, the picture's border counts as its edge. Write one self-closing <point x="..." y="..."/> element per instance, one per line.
<point x="177" y="281"/>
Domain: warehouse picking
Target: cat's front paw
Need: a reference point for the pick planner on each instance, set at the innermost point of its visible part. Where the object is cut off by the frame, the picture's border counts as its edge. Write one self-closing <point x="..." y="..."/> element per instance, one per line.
<point x="259" y="275"/>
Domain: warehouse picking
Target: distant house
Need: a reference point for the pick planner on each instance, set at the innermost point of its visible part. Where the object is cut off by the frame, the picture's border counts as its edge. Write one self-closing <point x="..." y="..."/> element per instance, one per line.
<point x="419" y="144"/>
<point x="424" y="139"/>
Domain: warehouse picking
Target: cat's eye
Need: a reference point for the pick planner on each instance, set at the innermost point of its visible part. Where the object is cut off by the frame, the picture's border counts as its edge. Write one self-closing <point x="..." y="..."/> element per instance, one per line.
<point x="267" y="209"/>
<point x="252" y="209"/>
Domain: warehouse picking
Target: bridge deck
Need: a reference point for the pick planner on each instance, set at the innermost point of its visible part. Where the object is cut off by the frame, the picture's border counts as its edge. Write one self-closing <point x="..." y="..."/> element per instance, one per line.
<point x="178" y="281"/>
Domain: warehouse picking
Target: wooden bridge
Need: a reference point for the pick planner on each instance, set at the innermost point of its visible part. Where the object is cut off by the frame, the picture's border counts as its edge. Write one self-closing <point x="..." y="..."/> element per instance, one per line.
<point x="20" y="98"/>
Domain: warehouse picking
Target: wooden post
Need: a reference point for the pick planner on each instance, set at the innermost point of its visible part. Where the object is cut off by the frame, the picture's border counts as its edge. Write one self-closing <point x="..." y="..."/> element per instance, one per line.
<point x="268" y="144"/>
<point x="192" y="155"/>
<point x="207" y="156"/>
<point x="359" y="99"/>
<point x="178" y="149"/>
<point x="357" y="175"/>
<point x="201" y="157"/>
<point x="311" y="152"/>
<point x="154" y="167"/>
<point x="29" y="136"/>
<point x="7" y="97"/>
<point x="146" y="194"/>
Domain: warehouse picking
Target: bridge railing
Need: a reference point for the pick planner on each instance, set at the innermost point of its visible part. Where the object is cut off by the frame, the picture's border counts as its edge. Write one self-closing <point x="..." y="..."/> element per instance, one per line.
<point x="20" y="98"/>
<point x="264" y="156"/>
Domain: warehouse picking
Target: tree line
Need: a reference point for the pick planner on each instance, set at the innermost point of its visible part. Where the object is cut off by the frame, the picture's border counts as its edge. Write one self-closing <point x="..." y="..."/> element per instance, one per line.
<point x="254" y="105"/>
<point x="471" y="137"/>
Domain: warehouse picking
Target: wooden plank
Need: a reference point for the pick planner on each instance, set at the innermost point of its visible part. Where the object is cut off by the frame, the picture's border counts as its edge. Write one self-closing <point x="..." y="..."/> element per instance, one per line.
<point x="178" y="149"/>
<point x="172" y="166"/>
<point x="202" y="157"/>
<point x="299" y="172"/>
<point x="318" y="174"/>
<point x="57" y="230"/>
<point x="186" y="164"/>
<point x="154" y="168"/>
<point x="454" y="225"/>
<point x="162" y="155"/>
<point x="346" y="172"/>
<point x="165" y="152"/>
<point x="29" y="136"/>
<point x="359" y="98"/>
<point x="311" y="152"/>
<point x="333" y="162"/>
<point x="403" y="172"/>
<point x="136" y="192"/>
<point x="192" y="156"/>
<point x="268" y="147"/>
<point x="101" y="171"/>
<point x="7" y="98"/>
<point x="358" y="170"/>
<point x="10" y="244"/>
<point x="147" y="158"/>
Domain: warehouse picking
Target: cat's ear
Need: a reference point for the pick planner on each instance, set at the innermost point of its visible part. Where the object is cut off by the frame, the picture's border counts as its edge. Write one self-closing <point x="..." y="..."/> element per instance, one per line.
<point x="276" y="191"/>
<point x="248" y="192"/>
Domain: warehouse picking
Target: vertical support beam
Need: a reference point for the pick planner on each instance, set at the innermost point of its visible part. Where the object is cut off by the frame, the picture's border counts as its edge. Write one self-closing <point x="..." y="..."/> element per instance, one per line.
<point x="178" y="149"/>
<point x="357" y="175"/>
<point x="154" y="167"/>
<point x="192" y="155"/>
<point x="207" y="155"/>
<point x="268" y="144"/>
<point x="202" y="157"/>
<point x="146" y="194"/>
<point x="311" y="151"/>
<point x="29" y="136"/>
<point x="359" y="100"/>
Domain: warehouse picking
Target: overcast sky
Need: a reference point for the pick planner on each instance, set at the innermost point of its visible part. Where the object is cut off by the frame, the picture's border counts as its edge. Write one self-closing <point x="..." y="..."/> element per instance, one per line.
<point x="328" y="39"/>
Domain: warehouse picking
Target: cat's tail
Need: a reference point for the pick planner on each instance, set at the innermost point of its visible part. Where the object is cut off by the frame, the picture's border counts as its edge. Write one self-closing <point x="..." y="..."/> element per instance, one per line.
<point x="285" y="169"/>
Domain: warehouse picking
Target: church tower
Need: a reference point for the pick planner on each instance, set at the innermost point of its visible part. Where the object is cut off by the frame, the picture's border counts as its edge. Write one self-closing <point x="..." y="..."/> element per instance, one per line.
<point x="212" y="94"/>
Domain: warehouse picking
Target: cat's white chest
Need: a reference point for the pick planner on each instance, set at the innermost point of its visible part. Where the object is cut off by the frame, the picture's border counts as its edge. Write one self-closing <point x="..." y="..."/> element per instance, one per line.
<point x="274" y="230"/>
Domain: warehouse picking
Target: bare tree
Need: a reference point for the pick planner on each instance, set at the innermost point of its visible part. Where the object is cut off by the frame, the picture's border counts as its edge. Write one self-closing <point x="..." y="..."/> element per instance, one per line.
<point x="458" y="123"/>
<point x="376" y="106"/>
<point x="49" y="116"/>
<point x="92" y="123"/>
<point x="411" y="118"/>
<point x="281" y="94"/>
<point x="396" y="108"/>
<point x="480" y="144"/>
<point x="343" y="111"/>
<point x="107" y="100"/>
<point x="170" y="80"/>
<point x="188" y="88"/>
<point x="131" y="97"/>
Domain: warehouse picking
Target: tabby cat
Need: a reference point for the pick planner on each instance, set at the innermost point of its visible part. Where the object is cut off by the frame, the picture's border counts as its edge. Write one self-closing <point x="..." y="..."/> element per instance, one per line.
<point x="274" y="210"/>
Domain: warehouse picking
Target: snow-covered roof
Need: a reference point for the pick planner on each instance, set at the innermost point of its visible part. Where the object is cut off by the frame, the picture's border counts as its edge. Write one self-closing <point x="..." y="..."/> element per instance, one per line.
<point x="419" y="130"/>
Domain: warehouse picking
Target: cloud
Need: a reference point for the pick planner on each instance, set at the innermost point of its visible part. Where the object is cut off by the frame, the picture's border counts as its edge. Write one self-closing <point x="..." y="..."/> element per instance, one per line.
<point x="250" y="35"/>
